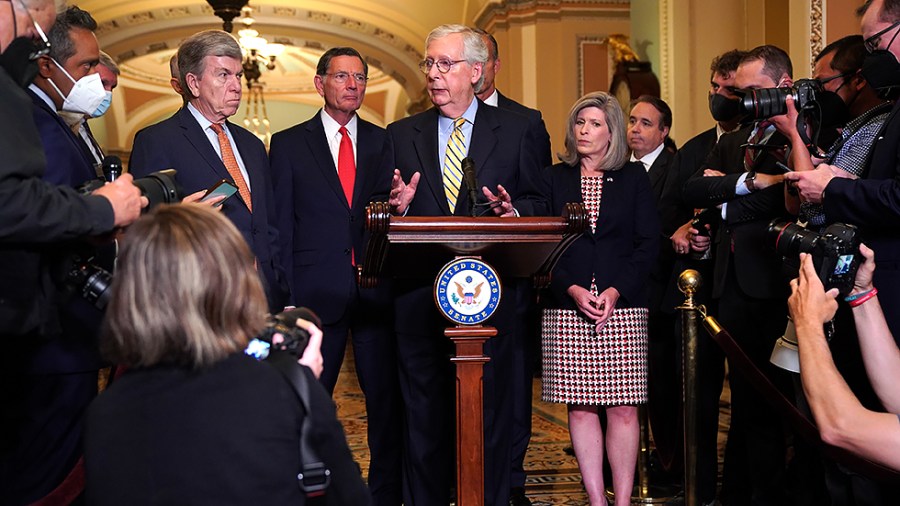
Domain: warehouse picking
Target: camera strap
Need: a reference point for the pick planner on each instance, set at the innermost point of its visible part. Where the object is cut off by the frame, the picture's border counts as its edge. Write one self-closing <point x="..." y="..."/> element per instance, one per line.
<point x="314" y="476"/>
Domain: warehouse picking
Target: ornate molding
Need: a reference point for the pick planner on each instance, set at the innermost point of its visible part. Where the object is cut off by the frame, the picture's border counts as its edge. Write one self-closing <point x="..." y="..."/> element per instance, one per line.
<point x="500" y="14"/>
<point x="816" y="28"/>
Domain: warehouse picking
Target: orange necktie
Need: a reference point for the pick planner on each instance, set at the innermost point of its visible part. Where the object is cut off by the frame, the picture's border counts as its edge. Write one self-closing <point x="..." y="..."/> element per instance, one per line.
<point x="231" y="164"/>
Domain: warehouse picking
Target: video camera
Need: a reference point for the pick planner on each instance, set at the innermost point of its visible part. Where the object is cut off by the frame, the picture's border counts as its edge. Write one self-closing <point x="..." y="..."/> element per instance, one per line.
<point x="834" y="251"/>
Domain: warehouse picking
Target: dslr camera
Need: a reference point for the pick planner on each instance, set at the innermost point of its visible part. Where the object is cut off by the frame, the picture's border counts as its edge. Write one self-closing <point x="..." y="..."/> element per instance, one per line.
<point x="294" y="339"/>
<point x="835" y="251"/>
<point x="86" y="277"/>
<point x="767" y="102"/>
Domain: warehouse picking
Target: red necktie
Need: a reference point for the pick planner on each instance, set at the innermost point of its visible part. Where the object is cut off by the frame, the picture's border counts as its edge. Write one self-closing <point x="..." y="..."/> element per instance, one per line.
<point x="231" y="164"/>
<point x="346" y="165"/>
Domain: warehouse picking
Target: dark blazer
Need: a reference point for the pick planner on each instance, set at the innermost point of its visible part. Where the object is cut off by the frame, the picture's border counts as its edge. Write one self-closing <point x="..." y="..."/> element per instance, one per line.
<point x="500" y="147"/>
<point x="873" y="203"/>
<point x="623" y="249"/>
<point x="538" y="129"/>
<point x="317" y="226"/>
<point x="179" y="143"/>
<point x="756" y="265"/>
<point x="67" y="162"/>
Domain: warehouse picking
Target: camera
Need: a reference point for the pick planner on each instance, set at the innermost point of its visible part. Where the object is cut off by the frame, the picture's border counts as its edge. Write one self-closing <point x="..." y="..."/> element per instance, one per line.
<point x="708" y="216"/>
<point x="160" y="187"/>
<point x="294" y="339"/>
<point x="91" y="280"/>
<point x="834" y="251"/>
<point x="767" y="102"/>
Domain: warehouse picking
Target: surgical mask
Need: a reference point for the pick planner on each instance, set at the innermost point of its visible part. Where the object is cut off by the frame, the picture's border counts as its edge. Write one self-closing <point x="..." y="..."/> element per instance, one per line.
<point x="87" y="95"/>
<point x="882" y="72"/>
<point x="723" y="108"/>
<point x="104" y="105"/>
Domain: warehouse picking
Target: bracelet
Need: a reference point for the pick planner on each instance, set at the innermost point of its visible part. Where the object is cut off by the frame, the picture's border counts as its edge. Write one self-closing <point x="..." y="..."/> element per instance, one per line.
<point x="851" y="298"/>
<point x="861" y="300"/>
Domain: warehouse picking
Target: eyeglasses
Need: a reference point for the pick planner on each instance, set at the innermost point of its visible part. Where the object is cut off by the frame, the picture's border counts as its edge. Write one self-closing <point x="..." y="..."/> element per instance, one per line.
<point x="825" y="80"/>
<point x="43" y="50"/>
<point x="872" y="42"/>
<point x="341" y="77"/>
<point x="443" y="66"/>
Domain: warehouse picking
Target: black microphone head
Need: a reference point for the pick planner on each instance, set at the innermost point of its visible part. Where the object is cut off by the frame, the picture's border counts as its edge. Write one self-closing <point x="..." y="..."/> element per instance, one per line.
<point x="112" y="167"/>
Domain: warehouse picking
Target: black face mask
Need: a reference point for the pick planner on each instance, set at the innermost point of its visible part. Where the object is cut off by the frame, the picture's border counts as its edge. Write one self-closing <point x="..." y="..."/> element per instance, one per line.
<point x="723" y="109"/>
<point x="18" y="63"/>
<point x="882" y="72"/>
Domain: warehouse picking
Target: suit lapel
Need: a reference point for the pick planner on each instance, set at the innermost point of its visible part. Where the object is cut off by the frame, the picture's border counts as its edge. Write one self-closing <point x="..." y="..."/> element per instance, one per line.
<point x="198" y="139"/>
<point x="658" y="172"/>
<point x="484" y="137"/>
<point x="318" y="146"/>
<point x="426" y="147"/>
<point x="75" y="140"/>
<point x="367" y="156"/>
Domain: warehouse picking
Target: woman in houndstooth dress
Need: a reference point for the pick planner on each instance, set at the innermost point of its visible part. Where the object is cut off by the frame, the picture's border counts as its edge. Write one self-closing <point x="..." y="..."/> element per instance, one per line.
<point x="594" y="334"/>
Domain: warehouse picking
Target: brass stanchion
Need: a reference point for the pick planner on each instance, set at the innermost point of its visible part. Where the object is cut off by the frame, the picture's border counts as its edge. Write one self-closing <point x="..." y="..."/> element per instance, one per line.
<point x="688" y="282"/>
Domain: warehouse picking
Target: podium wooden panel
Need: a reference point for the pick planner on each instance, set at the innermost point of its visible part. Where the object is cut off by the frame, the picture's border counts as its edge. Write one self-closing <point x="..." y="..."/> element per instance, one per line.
<point x="419" y="246"/>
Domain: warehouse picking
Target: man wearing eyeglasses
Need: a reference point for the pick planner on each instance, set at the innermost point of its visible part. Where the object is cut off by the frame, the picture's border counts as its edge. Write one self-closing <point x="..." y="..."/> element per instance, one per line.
<point x="324" y="172"/>
<point x="422" y="153"/>
<point x="871" y="201"/>
<point x="741" y="174"/>
<point x="37" y="219"/>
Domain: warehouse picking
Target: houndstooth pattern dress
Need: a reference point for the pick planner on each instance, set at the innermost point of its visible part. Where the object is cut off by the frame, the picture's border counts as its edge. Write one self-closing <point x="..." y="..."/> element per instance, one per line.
<point x="584" y="367"/>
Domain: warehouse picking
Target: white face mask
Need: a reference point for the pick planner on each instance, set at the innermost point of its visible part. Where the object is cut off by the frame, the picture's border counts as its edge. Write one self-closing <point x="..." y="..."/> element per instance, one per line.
<point x="87" y="95"/>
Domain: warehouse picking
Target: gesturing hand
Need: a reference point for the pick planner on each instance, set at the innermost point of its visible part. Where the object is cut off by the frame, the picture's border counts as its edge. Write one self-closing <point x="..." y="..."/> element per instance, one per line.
<point x="501" y="202"/>
<point x="401" y="193"/>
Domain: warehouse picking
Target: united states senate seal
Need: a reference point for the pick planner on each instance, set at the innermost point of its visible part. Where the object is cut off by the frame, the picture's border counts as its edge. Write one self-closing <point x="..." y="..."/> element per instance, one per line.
<point x="467" y="291"/>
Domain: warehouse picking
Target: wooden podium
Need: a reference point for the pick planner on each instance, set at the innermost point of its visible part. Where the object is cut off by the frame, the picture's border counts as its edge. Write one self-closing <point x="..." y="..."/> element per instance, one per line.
<point x="419" y="246"/>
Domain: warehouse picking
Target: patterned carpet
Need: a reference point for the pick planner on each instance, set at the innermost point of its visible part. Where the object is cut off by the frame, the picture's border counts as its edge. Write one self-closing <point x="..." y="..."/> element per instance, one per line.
<point x="552" y="475"/>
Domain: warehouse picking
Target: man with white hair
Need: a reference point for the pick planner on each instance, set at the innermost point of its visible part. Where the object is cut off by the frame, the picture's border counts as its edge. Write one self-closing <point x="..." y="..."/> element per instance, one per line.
<point x="420" y="153"/>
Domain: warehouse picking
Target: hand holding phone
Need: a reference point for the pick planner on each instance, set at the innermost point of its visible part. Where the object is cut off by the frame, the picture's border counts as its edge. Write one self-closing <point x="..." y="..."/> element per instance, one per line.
<point x="223" y="188"/>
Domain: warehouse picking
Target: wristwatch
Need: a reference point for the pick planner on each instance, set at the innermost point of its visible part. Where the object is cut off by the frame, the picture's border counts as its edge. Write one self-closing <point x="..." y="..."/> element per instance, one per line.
<point x="750" y="181"/>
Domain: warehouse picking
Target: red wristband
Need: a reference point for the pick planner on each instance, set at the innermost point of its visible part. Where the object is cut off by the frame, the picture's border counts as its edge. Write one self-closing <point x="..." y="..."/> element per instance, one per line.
<point x="871" y="293"/>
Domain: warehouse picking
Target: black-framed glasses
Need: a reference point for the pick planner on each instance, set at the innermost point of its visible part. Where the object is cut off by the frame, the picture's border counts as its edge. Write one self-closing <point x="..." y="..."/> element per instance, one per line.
<point x="872" y="42"/>
<point x="341" y="77"/>
<point x="825" y="80"/>
<point x="443" y="65"/>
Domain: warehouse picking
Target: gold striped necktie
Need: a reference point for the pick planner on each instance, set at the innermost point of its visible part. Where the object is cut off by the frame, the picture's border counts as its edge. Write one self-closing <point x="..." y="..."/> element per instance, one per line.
<point x="456" y="151"/>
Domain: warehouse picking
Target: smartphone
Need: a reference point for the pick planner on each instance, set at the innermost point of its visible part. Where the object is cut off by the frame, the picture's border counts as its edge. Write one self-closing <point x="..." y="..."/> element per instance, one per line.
<point x="223" y="187"/>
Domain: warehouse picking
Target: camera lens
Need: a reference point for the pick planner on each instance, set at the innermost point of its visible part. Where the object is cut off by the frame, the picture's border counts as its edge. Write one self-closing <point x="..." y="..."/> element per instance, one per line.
<point x="790" y="239"/>
<point x="765" y="103"/>
<point x="160" y="188"/>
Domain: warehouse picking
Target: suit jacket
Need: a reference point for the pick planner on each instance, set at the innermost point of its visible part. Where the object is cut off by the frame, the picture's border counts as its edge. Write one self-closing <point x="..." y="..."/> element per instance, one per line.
<point x="536" y="126"/>
<point x="742" y="238"/>
<point x="179" y="143"/>
<point x="67" y="162"/>
<point x="501" y="148"/>
<point x="873" y="204"/>
<point x="624" y="247"/>
<point x="318" y="229"/>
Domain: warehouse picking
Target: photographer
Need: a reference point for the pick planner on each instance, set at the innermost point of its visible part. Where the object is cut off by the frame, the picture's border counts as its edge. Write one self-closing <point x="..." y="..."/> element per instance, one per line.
<point x="841" y="418"/>
<point x="36" y="218"/>
<point x="194" y="420"/>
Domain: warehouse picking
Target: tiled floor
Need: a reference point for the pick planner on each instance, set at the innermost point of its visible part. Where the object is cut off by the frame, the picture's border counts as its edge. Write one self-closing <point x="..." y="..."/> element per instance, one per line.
<point x="552" y="475"/>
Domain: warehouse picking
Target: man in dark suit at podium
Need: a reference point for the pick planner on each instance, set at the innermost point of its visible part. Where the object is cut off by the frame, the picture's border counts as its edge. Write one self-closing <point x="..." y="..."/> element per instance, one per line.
<point x="205" y="148"/>
<point x="423" y="152"/>
<point x="324" y="172"/>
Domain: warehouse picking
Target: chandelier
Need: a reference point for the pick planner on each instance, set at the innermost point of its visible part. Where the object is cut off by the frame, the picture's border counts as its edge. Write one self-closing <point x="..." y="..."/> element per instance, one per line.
<point x="257" y="52"/>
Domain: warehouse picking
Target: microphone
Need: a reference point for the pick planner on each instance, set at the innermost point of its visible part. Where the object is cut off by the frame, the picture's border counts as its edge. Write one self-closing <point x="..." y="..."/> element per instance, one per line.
<point x="112" y="167"/>
<point x="468" y="170"/>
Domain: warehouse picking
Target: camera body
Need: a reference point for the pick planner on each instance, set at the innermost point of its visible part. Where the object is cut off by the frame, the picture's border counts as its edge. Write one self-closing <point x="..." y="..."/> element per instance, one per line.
<point x="767" y="102"/>
<point x="294" y="339"/>
<point x="834" y="252"/>
<point x="708" y="216"/>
